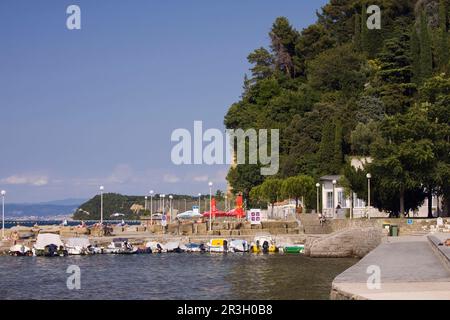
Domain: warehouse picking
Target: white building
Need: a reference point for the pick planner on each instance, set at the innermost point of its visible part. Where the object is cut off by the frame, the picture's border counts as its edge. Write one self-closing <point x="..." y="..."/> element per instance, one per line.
<point x="360" y="209"/>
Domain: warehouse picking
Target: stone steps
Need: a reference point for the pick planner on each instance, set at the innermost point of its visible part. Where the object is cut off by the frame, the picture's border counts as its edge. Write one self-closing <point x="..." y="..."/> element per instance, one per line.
<point x="311" y="224"/>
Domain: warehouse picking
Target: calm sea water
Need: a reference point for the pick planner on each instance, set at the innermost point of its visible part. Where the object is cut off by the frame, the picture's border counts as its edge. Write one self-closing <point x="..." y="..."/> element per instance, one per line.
<point x="30" y="223"/>
<point x="171" y="276"/>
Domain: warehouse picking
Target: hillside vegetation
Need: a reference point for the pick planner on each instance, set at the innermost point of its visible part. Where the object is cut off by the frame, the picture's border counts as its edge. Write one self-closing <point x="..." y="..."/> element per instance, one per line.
<point x="338" y="89"/>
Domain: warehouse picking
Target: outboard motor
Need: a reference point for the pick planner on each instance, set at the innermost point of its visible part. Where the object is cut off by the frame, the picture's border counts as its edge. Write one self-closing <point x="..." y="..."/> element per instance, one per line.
<point x="265" y="247"/>
<point x="50" y="250"/>
<point x="225" y="246"/>
<point x="158" y="248"/>
<point x="202" y="247"/>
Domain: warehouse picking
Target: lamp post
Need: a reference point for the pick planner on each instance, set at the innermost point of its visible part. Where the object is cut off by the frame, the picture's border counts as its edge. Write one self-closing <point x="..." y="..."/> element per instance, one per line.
<point x="334" y="190"/>
<point x="318" y="204"/>
<point x="199" y="202"/>
<point x="226" y="202"/>
<point x="210" y="204"/>
<point x="368" y="176"/>
<point x="160" y="202"/>
<point x="151" y="207"/>
<point x="163" y="207"/>
<point x="3" y="193"/>
<point x="101" y="204"/>
<point x="170" y="207"/>
<point x="145" y="206"/>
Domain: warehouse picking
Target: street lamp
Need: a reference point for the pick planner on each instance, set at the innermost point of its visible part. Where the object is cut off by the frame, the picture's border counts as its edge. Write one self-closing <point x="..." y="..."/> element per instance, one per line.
<point x="318" y="204"/>
<point x="334" y="190"/>
<point x="3" y="193"/>
<point x="101" y="204"/>
<point x="210" y="205"/>
<point x="199" y="204"/>
<point x="151" y="207"/>
<point x="145" y="206"/>
<point x="170" y="207"/>
<point x="368" y="176"/>
<point x="163" y="207"/>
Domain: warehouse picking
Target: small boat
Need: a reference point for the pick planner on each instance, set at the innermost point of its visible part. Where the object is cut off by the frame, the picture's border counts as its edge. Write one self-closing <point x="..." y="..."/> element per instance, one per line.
<point x="239" y="246"/>
<point x="174" y="246"/>
<point x="218" y="245"/>
<point x="20" y="250"/>
<point x="78" y="246"/>
<point x="156" y="247"/>
<point x="120" y="246"/>
<point x="296" y="248"/>
<point x="195" y="247"/>
<point x="145" y="250"/>
<point x="263" y="244"/>
<point x="49" y="245"/>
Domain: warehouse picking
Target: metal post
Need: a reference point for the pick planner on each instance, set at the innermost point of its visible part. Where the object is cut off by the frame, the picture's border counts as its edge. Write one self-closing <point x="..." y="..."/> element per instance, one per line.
<point x="3" y="213"/>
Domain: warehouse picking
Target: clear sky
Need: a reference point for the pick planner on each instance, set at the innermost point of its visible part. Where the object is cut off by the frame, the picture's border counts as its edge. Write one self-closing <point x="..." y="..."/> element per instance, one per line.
<point x="81" y="108"/>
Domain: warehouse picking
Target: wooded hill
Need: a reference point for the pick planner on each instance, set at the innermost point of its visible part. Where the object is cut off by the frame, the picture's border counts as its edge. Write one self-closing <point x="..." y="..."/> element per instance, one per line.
<point x="338" y="89"/>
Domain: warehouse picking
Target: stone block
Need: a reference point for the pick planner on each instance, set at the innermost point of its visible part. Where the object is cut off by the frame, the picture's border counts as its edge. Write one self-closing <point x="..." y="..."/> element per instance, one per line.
<point x="200" y="228"/>
<point x="185" y="229"/>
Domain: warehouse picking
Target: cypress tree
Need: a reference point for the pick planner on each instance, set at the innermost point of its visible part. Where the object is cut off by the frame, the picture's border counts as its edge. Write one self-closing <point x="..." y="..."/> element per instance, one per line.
<point x="326" y="150"/>
<point x="337" y="154"/>
<point x="364" y="30"/>
<point x="415" y="56"/>
<point x="357" y="38"/>
<point x="426" y="56"/>
<point x="443" y="41"/>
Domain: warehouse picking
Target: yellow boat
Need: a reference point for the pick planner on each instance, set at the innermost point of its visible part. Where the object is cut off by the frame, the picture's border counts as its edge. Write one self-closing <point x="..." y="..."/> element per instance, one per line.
<point x="218" y="245"/>
<point x="255" y="249"/>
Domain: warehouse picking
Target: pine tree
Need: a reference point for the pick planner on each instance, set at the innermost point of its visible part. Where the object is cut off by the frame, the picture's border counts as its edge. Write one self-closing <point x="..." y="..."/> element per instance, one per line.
<point x="357" y="37"/>
<point x="443" y="39"/>
<point x="415" y="56"/>
<point x="426" y="56"/>
<point x="337" y="154"/>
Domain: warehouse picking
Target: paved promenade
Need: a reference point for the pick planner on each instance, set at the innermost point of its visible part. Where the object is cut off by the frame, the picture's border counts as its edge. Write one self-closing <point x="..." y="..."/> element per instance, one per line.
<point x="409" y="269"/>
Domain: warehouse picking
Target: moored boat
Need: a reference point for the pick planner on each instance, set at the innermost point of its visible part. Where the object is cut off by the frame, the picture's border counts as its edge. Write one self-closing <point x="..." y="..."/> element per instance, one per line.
<point x="156" y="247"/>
<point x="20" y="250"/>
<point x="174" y="246"/>
<point x="120" y="246"/>
<point x="78" y="246"/>
<point x="195" y="247"/>
<point x="263" y="244"/>
<point x="295" y="248"/>
<point x="218" y="245"/>
<point x="49" y="245"/>
<point x="237" y="245"/>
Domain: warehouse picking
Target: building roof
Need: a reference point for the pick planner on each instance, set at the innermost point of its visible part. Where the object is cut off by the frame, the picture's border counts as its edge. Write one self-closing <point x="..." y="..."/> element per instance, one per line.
<point x="331" y="177"/>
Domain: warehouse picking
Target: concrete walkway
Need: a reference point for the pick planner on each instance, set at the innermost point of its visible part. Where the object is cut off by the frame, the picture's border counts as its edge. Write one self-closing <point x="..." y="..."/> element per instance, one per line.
<point x="409" y="269"/>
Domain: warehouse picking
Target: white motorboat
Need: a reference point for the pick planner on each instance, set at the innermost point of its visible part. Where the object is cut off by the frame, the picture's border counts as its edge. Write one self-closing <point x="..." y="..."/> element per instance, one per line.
<point x="156" y="247"/>
<point x="20" y="250"/>
<point x="174" y="246"/>
<point x="120" y="246"/>
<point x="237" y="245"/>
<point x="49" y="245"/>
<point x="77" y="246"/>
<point x="218" y="245"/>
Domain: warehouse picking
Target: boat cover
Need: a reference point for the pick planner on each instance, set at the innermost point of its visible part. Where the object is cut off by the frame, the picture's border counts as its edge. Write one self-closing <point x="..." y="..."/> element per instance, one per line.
<point x="45" y="239"/>
<point x="78" y="242"/>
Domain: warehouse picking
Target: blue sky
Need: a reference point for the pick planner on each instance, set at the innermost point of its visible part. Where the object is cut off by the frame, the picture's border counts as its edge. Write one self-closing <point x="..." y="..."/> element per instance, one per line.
<point x="97" y="106"/>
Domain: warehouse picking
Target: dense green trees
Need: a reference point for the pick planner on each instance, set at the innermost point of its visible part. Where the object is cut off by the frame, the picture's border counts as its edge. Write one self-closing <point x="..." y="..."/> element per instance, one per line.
<point x="297" y="187"/>
<point x="337" y="89"/>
